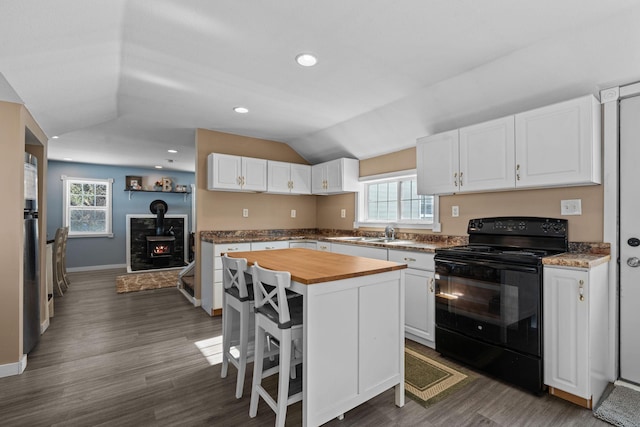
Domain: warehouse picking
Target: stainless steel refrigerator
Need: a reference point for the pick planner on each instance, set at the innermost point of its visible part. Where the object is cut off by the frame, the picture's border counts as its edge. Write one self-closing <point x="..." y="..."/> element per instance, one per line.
<point x="31" y="292"/>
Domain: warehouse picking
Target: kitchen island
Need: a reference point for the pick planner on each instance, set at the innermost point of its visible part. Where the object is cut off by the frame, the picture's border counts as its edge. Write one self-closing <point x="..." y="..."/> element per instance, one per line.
<point x="353" y="346"/>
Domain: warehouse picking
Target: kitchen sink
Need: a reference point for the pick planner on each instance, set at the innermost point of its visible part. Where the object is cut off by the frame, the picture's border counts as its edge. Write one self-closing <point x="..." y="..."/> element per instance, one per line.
<point x="374" y="240"/>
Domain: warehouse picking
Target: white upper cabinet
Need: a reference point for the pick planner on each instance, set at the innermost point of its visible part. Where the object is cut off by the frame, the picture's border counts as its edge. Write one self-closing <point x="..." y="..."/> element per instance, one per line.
<point x="288" y="178"/>
<point x="559" y="145"/>
<point x="235" y="173"/>
<point x="437" y="163"/>
<point x="336" y="176"/>
<point x="553" y="146"/>
<point x="473" y="158"/>
<point x="487" y="156"/>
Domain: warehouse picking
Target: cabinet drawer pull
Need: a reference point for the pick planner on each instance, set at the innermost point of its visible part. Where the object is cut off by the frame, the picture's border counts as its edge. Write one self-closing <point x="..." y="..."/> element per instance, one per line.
<point x="518" y="172"/>
<point x="410" y="259"/>
<point x="431" y="284"/>
<point x="455" y="179"/>
<point x="460" y="179"/>
<point x="581" y="290"/>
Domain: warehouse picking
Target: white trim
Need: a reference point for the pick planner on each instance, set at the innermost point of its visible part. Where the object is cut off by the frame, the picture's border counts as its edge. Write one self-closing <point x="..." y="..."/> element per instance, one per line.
<point x="10" y="369"/>
<point x="65" y="208"/>
<point x="630" y="90"/>
<point x="44" y="325"/>
<point x="610" y="181"/>
<point x="184" y="232"/>
<point x="195" y="301"/>
<point x="96" y="267"/>
<point x="388" y="175"/>
<point x="621" y="383"/>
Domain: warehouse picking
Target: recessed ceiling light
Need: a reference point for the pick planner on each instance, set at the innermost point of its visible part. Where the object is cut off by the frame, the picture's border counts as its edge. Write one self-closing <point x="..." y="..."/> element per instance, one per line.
<point x="241" y="110"/>
<point x="172" y="151"/>
<point x="158" y="167"/>
<point x="306" y="59"/>
<point x="55" y="137"/>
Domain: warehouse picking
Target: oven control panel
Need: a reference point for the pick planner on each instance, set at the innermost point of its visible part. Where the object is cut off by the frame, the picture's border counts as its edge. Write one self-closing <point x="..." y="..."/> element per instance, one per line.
<point x="524" y="226"/>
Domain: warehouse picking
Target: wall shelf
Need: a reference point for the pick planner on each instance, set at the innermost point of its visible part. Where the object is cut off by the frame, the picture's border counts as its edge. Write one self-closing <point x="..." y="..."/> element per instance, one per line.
<point x="184" y="193"/>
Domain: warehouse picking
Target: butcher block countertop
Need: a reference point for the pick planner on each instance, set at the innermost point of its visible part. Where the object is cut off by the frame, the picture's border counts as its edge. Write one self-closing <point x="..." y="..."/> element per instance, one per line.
<point x="308" y="266"/>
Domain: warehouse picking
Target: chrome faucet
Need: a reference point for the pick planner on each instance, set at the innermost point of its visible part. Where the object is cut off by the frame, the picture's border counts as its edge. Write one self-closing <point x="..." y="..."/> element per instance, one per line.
<point x="389" y="232"/>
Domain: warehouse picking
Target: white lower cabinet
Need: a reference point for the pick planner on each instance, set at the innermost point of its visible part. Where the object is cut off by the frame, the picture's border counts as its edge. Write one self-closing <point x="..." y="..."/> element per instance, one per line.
<point x="419" y="311"/>
<point x="576" y="316"/>
<point x="265" y="246"/>
<point x="357" y="250"/>
<point x="211" y="273"/>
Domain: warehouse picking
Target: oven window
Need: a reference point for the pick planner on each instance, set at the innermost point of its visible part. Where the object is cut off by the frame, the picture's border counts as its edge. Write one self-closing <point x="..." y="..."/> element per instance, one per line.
<point x="497" y="304"/>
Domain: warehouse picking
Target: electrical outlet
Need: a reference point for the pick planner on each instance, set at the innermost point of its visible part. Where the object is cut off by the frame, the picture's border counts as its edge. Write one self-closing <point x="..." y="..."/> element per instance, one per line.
<point x="571" y="207"/>
<point x="455" y="211"/>
<point x="245" y="213"/>
<point x="293" y="213"/>
<point x="343" y="213"/>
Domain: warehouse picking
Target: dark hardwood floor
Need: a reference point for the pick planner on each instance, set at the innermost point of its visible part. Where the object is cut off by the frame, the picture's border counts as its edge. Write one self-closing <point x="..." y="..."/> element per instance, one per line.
<point x="151" y="359"/>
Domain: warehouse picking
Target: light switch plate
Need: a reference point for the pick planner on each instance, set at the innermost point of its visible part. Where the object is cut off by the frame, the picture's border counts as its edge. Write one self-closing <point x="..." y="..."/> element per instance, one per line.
<point x="571" y="207"/>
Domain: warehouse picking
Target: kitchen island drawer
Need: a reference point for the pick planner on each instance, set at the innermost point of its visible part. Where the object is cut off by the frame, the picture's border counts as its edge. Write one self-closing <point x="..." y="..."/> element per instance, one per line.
<point x="417" y="260"/>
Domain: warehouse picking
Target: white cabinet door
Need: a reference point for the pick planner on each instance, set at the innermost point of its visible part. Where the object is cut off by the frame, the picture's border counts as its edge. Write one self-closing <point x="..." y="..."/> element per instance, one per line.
<point x="300" y="179"/>
<point x="288" y="178"/>
<point x="335" y="177"/>
<point x="438" y="163"/>
<point x="566" y="330"/>
<point x="278" y="177"/>
<point x="487" y="156"/>
<point x="363" y="251"/>
<point x="420" y="300"/>
<point x="254" y="174"/>
<point x="224" y="172"/>
<point x="235" y="173"/>
<point x="559" y="144"/>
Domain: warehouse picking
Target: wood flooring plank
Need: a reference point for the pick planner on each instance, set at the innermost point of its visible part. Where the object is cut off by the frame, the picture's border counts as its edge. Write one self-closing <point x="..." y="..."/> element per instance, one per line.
<point x="132" y="359"/>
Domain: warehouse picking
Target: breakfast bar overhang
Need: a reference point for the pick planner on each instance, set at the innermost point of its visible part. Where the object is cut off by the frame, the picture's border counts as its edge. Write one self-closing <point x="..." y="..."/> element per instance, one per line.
<point x="353" y="346"/>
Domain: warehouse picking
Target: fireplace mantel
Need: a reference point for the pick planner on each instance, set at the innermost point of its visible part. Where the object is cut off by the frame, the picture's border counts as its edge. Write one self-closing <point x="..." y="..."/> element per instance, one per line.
<point x="148" y="225"/>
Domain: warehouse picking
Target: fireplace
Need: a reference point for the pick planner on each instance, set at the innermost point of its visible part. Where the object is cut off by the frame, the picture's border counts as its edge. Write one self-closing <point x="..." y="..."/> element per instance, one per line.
<point x="160" y="248"/>
<point x="141" y="228"/>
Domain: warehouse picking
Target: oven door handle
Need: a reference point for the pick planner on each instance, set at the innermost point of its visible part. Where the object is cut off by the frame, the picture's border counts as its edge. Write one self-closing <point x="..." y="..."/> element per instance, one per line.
<point x="497" y="266"/>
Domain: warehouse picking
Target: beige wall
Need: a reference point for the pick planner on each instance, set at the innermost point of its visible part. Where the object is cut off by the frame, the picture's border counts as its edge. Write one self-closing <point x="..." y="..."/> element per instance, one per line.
<point x="221" y="210"/>
<point x="14" y="118"/>
<point x="587" y="227"/>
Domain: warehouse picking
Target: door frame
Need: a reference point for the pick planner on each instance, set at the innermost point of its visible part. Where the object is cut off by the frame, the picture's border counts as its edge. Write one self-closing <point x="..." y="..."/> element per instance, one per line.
<point x="610" y="100"/>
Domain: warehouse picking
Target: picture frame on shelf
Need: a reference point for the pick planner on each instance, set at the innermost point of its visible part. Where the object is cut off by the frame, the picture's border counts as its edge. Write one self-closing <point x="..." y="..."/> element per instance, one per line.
<point x="133" y="182"/>
<point x="180" y="188"/>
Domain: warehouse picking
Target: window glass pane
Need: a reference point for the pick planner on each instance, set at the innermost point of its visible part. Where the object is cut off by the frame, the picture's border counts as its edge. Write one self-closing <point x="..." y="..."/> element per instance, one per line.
<point x="383" y="192"/>
<point x="373" y="211"/>
<point x="101" y="190"/>
<point x="373" y="192"/>
<point x="75" y="200"/>
<point x="87" y="221"/>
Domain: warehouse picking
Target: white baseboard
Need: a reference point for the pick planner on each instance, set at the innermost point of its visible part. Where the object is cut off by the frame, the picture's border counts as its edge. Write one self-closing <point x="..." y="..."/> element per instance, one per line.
<point x="196" y="302"/>
<point x="626" y="384"/>
<point x="96" y="267"/>
<point x="16" y="368"/>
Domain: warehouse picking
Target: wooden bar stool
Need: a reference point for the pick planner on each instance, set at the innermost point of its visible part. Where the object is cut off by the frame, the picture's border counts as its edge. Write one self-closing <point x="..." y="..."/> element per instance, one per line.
<point x="279" y="318"/>
<point x="237" y="296"/>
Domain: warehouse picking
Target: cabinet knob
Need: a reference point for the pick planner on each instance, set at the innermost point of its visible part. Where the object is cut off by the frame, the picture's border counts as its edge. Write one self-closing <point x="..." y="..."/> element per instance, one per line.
<point x="633" y="262"/>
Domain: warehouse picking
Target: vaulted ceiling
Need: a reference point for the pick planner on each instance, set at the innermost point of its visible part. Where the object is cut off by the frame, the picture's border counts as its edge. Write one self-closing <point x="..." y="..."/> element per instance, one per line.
<point x="122" y="81"/>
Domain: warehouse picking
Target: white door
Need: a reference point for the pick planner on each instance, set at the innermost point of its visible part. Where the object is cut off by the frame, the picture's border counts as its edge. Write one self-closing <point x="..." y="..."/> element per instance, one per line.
<point x="629" y="248"/>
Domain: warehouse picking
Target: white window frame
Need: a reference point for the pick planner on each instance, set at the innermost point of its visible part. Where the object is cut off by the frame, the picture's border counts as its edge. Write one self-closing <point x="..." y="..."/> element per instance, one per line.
<point x="67" y="181"/>
<point x="361" y="204"/>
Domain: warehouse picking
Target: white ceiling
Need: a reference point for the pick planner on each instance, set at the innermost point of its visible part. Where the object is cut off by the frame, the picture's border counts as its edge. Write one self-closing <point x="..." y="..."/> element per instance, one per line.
<point x="122" y="81"/>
